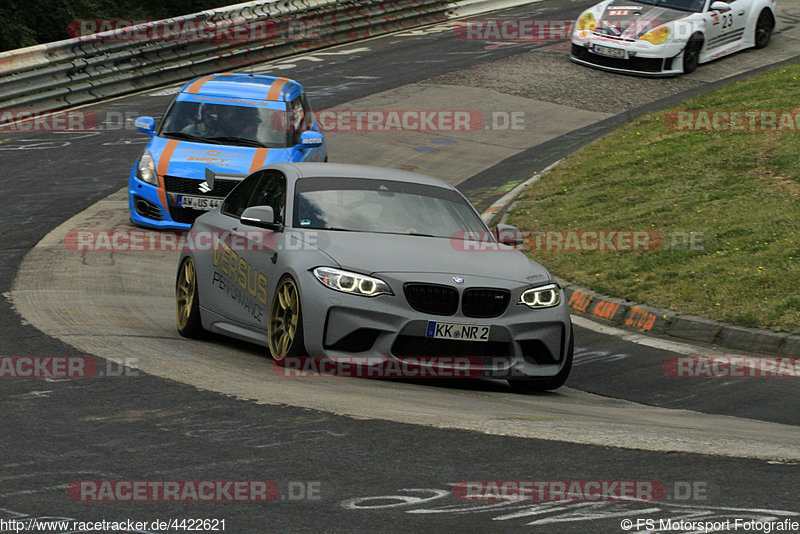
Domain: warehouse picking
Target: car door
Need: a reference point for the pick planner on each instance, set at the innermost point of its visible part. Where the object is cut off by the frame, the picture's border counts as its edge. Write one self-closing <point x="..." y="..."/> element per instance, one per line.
<point x="257" y="250"/>
<point x="237" y="298"/>
<point x="740" y="9"/>
<point x="725" y="27"/>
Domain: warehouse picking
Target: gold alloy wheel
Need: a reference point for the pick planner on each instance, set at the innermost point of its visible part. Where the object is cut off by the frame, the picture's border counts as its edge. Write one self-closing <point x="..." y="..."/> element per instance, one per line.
<point x="283" y="319"/>
<point x="185" y="293"/>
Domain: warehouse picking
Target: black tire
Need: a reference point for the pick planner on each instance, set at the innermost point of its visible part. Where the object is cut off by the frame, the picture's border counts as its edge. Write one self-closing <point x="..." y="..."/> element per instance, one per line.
<point x="533" y="385"/>
<point x="285" y="325"/>
<point x="187" y="302"/>
<point x="764" y="26"/>
<point x="691" y="54"/>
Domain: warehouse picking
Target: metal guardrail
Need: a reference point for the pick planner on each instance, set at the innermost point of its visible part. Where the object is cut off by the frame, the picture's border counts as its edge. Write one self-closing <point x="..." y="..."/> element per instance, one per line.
<point x="75" y="71"/>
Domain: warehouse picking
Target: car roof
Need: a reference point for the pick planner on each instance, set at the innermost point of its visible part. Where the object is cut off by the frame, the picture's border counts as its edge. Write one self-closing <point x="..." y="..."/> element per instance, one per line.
<point x="244" y="85"/>
<point x="345" y="170"/>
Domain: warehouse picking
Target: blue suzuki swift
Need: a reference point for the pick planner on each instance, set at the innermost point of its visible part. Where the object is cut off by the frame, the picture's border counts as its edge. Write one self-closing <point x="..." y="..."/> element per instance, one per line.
<point x="231" y="124"/>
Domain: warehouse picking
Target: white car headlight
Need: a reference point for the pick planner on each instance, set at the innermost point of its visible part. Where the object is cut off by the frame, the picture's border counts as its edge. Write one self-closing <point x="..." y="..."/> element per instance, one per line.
<point x="146" y="169"/>
<point x="353" y="283"/>
<point x="541" y="297"/>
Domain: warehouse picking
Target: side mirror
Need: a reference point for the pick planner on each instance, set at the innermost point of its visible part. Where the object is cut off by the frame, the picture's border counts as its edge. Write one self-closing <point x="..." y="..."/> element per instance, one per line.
<point x="310" y="139"/>
<point x="720" y="6"/>
<point x="146" y="125"/>
<point x="261" y="216"/>
<point x="509" y="235"/>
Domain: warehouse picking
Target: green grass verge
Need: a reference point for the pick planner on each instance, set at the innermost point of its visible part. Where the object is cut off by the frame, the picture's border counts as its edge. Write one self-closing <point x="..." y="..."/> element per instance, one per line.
<point x="737" y="192"/>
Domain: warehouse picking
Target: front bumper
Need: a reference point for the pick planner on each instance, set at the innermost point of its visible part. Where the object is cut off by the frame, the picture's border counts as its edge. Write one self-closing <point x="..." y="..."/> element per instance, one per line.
<point x="639" y="62"/>
<point x="522" y="343"/>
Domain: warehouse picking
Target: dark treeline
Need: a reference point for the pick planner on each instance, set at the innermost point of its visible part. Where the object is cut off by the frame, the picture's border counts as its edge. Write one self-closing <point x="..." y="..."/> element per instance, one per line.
<point x="25" y="22"/>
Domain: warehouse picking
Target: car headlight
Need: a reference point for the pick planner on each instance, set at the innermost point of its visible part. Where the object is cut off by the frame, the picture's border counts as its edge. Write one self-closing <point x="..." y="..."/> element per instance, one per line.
<point x="541" y="297"/>
<point x="657" y="36"/>
<point x="146" y="169"/>
<point x="586" y="22"/>
<point x="354" y="283"/>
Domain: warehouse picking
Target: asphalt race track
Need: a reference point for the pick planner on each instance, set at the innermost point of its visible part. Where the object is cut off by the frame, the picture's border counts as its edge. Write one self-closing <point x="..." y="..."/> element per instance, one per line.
<point x="357" y="455"/>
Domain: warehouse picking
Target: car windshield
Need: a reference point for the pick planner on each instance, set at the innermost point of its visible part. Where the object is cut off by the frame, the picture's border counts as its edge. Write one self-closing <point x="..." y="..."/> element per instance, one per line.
<point x="382" y="206"/>
<point x="694" y="6"/>
<point x="226" y="125"/>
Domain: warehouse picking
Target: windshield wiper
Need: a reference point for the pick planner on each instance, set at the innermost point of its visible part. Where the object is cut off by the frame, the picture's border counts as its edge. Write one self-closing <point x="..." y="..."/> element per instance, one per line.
<point x="241" y="140"/>
<point x="416" y="234"/>
<point x="189" y="137"/>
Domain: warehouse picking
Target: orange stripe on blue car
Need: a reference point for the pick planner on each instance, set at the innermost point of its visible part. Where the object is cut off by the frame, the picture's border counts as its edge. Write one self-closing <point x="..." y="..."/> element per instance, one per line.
<point x="195" y="87"/>
<point x="276" y="88"/>
<point x="163" y="167"/>
<point x="259" y="158"/>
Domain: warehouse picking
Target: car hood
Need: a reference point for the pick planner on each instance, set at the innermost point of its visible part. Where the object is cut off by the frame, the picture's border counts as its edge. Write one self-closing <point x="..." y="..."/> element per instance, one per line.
<point x="190" y="160"/>
<point x="629" y="20"/>
<point x="392" y="253"/>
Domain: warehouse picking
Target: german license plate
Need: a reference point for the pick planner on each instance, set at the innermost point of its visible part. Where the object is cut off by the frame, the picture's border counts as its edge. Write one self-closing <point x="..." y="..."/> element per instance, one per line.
<point x="609" y="52"/>
<point x="199" y="203"/>
<point x="463" y="332"/>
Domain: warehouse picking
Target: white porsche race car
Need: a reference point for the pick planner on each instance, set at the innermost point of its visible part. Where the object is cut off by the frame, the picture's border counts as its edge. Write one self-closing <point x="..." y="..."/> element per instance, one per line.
<point x="668" y="37"/>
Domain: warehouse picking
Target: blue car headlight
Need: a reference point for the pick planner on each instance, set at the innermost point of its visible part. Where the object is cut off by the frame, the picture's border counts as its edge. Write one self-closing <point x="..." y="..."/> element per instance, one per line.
<point x="353" y="283"/>
<point x="541" y="297"/>
<point x="146" y="169"/>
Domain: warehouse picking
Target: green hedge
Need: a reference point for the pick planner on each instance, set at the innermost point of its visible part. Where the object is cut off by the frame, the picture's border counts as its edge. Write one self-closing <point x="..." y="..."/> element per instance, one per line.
<point x="27" y="23"/>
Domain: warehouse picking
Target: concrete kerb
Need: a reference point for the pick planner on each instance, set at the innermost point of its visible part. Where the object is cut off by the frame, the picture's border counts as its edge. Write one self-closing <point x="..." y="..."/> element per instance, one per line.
<point x="791" y="346"/>
<point x="648" y="319"/>
<point x="751" y="339"/>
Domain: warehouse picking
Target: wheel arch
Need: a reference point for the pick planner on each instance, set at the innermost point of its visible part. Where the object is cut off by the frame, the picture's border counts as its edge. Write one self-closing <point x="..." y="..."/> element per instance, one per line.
<point x="305" y="319"/>
<point x="750" y="27"/>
